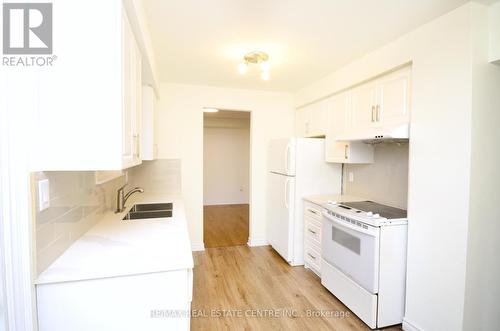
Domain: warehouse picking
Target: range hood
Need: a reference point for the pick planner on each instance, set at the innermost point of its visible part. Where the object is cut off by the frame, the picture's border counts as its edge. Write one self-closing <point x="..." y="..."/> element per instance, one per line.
<point x="399" y="132"/>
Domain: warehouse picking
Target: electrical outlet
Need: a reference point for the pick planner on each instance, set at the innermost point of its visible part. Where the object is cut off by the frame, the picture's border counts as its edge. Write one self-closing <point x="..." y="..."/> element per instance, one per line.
<point x="351" y="176"/>
<point x="43" y="194"/>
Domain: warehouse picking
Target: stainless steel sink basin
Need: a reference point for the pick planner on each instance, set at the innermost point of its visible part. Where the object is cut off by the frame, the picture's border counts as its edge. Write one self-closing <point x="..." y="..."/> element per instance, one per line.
<point x="149" y="211"/>
<point x="152" y="206"/>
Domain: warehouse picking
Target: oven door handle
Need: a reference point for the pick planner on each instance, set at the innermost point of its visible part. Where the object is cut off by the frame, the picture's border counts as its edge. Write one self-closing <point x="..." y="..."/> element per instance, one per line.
<point x="371" y="231"/>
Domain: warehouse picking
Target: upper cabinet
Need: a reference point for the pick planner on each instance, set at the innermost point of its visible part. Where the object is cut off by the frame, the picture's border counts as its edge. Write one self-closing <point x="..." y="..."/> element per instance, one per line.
<point x="311" y="120"/>
<point x="132" y="97"/>
<point x="382" y="102"/>
<point x="393" y="98"/>
<point x="340" y="112"/>
<point x="89" y="101"/>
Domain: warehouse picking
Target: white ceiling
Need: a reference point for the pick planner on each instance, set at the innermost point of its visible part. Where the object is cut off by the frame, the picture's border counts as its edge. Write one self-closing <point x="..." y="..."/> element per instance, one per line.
<point x="202" y="41"/>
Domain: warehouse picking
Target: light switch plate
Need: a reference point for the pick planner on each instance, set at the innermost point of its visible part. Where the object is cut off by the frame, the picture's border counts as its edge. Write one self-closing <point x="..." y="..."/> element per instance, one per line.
<point x="43" y="194"/>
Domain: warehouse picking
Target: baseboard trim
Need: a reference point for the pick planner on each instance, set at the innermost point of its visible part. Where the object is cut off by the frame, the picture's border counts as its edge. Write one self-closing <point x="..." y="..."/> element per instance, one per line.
<point x="409" y="326"/>
<point x="257" y="242"/>
<point x="198" y="247"/>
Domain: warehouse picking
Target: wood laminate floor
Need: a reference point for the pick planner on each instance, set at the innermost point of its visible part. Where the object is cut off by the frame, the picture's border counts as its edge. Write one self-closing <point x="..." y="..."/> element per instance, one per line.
<point x="225" y="225"/>
<point x="243" y="288"/>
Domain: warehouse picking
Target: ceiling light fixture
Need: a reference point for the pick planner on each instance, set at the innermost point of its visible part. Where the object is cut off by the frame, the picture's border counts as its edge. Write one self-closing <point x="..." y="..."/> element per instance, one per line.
<point x="210" y="110"/>
<point x="259" y="58"/>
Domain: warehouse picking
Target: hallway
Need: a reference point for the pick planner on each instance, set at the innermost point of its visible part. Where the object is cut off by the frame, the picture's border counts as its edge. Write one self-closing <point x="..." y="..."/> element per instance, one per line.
<point x="225" y="225"/>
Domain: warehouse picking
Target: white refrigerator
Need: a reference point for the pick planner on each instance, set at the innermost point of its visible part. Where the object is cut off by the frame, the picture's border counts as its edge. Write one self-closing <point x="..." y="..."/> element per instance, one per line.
<point x="296" y="168"/>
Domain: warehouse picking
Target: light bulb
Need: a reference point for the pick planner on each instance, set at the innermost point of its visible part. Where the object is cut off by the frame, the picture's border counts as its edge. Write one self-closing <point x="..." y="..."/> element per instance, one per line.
<point x="264" y="65"/>
<point x="265" y="75"/>
<point x="243" y="68"/>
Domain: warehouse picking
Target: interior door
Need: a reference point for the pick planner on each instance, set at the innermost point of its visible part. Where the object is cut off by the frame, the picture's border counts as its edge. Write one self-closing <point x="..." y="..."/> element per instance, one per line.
<point x="280" y="213"/>
<point x="363" y="106"/>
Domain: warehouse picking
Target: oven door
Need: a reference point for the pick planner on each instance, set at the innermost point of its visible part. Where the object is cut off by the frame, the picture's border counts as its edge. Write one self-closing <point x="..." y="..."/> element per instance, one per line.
<point x="352" y="249"/>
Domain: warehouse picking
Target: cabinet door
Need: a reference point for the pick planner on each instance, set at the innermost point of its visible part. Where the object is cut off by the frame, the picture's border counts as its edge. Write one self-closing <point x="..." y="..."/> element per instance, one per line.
<point x="363" y="106"/>
<point x="338" y="116"/>
<point x="393" y="94"/>
<point x="137" y="109"/>
<point x="317" y="119"/>
<point x="128" y="100"/>
<point x="132" y="91"/>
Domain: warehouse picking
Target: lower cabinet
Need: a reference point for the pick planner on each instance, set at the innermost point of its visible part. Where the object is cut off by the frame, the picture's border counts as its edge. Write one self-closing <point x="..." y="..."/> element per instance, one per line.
<point x="312" y="237"/>
<point x="156" y="301"/>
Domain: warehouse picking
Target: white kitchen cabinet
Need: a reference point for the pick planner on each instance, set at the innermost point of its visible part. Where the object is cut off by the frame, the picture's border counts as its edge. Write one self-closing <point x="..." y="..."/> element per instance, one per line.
<point x="149" y="138"/>
<point x="311" y="120"/>
<point x="382" y="102"/>
<point x="312" y="237"/>
<point x="339" y="119"/>
<point x="364" y="100"/>
<point x="393" y="98"/>
<point x="89" y="100"/>
<point x="135" y="302"/>
<point x="132" y="92"/>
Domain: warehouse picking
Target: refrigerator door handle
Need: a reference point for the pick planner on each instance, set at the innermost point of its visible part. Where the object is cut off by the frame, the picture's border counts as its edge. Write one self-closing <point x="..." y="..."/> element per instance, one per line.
<point x="287" y="188"/>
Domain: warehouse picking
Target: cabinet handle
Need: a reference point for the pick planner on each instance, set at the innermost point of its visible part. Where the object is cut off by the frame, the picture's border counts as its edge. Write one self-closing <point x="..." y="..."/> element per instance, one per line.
<point x="378" y="113"/>
<point x="312" y="256"/>
<point x="138" y="145"/>
<point x="373" y="113"/>
<point x="345" y="151"/>
<point x="312" y="231"/>
<point x="312" y="211"/>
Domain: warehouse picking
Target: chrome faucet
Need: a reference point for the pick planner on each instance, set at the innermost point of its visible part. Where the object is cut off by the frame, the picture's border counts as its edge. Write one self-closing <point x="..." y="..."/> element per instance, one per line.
<point x="121" y="197"/>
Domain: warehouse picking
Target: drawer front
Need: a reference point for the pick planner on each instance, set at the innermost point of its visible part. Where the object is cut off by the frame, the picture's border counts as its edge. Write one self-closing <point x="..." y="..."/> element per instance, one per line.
<point x="313" y="244"/>
<point x="313" y="257"/>
<point x="312" y="210"/>
<point x="356" y="298"/>
<point x="312" y="231"/>
<point x="314" y="221"/>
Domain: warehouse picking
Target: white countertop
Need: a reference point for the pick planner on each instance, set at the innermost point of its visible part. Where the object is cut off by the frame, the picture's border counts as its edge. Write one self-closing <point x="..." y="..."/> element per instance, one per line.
<point x="114" y="247"/>
<point x="322" y="199"/>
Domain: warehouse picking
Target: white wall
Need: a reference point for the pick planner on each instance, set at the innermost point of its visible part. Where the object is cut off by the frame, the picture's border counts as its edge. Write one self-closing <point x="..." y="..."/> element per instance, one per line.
<point x="385" y="180"/>
<point x="439" y="158"/>
<point x="494" y="33"/>
<point x="483" y="263"/>
<point x="226" y="168"/>
<point x="181" y="136"/>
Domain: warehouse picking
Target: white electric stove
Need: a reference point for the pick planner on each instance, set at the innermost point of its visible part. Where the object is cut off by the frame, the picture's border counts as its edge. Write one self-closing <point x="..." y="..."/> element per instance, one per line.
<point x="363" y="250"/>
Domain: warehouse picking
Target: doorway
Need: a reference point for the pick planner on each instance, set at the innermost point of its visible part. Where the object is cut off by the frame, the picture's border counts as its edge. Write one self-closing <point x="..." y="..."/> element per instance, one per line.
<point x="226" y="178"/>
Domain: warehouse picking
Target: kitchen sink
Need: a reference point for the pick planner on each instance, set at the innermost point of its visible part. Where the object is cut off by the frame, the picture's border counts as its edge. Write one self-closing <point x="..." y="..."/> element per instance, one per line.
<point x="149" y="211"/>
<point x="152" y="206"/>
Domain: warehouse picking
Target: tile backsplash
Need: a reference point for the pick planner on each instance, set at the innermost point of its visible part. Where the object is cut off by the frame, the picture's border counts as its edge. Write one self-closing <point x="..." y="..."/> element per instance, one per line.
<point x="76" y="204"/>
<point x="385" y="180"/>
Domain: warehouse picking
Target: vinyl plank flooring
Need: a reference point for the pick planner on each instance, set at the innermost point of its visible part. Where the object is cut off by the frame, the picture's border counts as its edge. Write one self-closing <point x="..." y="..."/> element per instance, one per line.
<point x="243" y="288"/>
<point x="225" y="225"/>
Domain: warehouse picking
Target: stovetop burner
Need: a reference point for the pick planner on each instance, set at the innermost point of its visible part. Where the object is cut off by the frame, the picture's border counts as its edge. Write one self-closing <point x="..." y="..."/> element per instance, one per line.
<point x="376" y="208"/>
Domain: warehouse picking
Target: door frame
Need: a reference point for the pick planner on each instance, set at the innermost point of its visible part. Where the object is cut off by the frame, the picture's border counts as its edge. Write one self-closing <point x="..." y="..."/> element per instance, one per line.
<point x="250" y="167"/>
